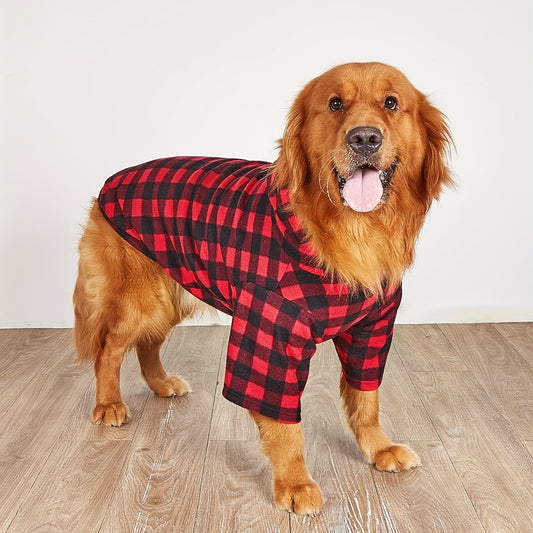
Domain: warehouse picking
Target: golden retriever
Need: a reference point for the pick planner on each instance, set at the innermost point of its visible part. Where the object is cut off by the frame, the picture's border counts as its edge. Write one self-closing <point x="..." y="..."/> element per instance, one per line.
<point x="361" y="160"/>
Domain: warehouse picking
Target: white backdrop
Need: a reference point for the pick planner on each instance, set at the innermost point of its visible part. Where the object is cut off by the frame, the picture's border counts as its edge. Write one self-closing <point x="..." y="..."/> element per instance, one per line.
<point x="89" y="88"/>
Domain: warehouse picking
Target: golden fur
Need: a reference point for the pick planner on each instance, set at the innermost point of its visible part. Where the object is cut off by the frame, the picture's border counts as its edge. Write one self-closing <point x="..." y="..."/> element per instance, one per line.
<point x="363" y="248"/>
<point x="123" y="300"/>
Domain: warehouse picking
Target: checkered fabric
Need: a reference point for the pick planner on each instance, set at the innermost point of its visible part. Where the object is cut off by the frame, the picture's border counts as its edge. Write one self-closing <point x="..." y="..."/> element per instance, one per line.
<point x="222" y="231"/>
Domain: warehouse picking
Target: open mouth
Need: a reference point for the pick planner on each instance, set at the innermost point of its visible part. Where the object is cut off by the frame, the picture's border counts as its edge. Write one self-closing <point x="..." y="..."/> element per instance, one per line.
<point x="365" y="187"/>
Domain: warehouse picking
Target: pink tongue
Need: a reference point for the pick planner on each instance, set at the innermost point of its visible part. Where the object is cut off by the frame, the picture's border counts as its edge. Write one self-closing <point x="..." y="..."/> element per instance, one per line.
<point x="363" y="190"/>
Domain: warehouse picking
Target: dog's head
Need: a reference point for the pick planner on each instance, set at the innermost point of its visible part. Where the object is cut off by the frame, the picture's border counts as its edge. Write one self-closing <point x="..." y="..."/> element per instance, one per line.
<point x="361" y="148"/>
<point x="363" y="133"/>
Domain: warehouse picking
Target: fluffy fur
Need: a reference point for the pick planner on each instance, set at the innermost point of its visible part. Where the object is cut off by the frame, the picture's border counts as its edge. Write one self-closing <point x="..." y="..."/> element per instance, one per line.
<point x="363" y="248"/>
<point x="123" y="300"/>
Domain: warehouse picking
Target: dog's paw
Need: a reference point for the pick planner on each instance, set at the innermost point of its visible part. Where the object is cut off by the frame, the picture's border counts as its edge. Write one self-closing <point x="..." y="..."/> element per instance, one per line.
<point x="305" y="499"/>
<point x="395" y="458"/>
<point x="111" y="414"/>
<point x="171" y="386"/>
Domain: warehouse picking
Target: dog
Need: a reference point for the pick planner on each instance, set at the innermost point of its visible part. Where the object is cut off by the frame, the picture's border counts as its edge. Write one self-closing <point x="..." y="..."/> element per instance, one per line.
<point x="309" y="248"/>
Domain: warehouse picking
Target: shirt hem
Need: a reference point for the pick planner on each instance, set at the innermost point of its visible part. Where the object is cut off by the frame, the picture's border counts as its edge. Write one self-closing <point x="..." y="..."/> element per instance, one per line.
<point x="287" y="416"/>
<point x="362" y="385"/>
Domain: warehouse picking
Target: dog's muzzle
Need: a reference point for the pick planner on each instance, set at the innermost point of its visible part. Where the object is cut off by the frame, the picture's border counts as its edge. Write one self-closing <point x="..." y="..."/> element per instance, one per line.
<point x="364" y="186"/>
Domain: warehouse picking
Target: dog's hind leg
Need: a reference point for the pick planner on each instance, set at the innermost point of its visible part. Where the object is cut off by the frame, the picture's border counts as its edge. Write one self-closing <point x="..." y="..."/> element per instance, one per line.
<point x="122" y="299"/>
<point x="154" y="374"/>
<point x="179" y="305"/>
<point x="110" y="409"/>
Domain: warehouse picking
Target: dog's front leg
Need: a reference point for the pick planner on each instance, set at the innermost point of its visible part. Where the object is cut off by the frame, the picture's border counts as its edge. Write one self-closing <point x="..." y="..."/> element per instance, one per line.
<point x="283" y="444"/>
<point x="362" y="410"/>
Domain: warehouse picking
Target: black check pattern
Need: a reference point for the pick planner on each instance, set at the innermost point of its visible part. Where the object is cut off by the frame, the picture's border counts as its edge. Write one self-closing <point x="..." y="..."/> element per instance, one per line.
<point x="219" y="228"/>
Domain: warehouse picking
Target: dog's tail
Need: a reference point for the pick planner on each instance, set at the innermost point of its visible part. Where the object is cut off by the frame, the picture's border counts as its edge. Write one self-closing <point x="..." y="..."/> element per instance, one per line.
<point x="89" y="329"/>
<point x="89" y="342"/>
<point x="90" y="326"/>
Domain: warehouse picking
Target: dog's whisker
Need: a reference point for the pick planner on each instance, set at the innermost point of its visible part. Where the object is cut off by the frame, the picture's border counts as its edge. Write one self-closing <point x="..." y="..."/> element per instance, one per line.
<point x="330" y="162"/>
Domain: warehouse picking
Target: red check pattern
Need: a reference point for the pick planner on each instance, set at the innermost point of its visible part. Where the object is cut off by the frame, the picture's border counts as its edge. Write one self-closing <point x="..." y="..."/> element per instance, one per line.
<point x="219" y="228"/>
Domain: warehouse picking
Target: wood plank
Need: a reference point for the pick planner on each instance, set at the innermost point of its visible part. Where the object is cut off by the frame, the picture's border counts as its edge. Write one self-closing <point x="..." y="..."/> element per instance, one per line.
<point x="35" y="415"/>
<point x="160" y="487"/>
<point x="7" y="334"/>
<point x="22" y="343"/>
<point x="73" y="490"/>
<point x="453" y="398"/>
<point x="496" y="473"/>
<point x="423" y="347"/>
<point x="31" y="354"/>
<point x="9" y="338"/>
<point x="17" y="479"/>
<point x="196" y="349"/>
<point x="161" y="484"/>
<point x="504" y="374"/>
<point x="428" y="498"/>
<point x="459" y="395"/>
<point x="402" y="413"/>
<point x="492" y="463"/>
<point x="520" y="337"/>
<point x="63" y="360"/>
<point x="36" y="418"/>
<point x="231" y="422"/>
<point x="236" y="491"/>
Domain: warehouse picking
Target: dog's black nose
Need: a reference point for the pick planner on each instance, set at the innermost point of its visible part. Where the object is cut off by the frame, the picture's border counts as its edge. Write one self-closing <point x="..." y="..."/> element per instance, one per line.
<point x="364" y="140"/>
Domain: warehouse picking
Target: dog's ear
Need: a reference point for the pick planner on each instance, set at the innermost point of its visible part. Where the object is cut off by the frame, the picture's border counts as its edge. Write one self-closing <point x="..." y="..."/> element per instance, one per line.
<point x="291" y="166"/>
<point x="438" y="143"/>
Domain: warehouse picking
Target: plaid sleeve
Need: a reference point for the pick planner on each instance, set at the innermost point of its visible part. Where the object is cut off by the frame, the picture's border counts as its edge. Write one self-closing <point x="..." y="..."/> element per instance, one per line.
<point x="364" y="347"/>
<point x="269" y="350"/>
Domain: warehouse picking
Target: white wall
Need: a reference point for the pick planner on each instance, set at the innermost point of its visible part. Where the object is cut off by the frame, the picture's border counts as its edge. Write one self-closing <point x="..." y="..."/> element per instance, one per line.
<point x="91" y="87"/>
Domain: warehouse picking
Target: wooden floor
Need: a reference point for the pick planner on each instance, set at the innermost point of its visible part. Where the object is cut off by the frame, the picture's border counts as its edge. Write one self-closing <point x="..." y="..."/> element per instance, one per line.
<point x="460" y="395"/>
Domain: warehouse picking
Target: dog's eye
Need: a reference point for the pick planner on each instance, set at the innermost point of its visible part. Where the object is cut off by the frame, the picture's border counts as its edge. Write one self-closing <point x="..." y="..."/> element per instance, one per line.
<point x="391" y="103"/>
<point x="335" y="104"/>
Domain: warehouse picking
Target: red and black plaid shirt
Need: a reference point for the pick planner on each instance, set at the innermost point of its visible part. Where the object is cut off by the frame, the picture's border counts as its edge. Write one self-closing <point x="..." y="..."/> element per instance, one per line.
<point x="219" y="228"/>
